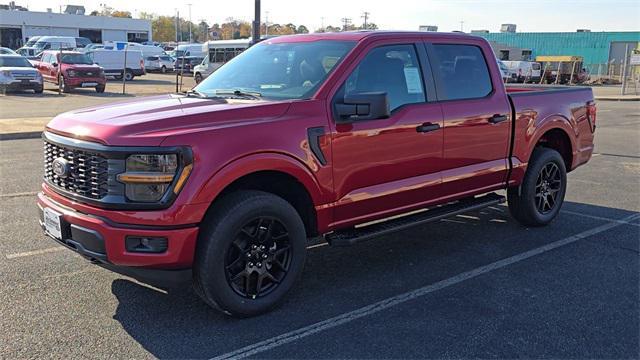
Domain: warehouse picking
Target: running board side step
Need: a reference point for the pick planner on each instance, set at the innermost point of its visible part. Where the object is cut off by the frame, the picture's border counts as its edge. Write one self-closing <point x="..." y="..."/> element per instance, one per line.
<point x="358" y="234"/>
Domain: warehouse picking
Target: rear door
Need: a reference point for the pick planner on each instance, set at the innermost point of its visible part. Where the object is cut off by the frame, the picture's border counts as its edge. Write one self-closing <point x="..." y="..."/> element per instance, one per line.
<point x="476" y="115"/>
<point x="390" y="165"/>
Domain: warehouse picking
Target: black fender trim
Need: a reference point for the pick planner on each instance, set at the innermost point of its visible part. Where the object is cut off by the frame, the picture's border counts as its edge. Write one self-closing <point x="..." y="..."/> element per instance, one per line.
<point x="313" y="136"/>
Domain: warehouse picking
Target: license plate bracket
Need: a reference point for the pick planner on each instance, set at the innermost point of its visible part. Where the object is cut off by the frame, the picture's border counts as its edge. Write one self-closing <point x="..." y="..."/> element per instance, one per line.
<point x="53" y="223"/>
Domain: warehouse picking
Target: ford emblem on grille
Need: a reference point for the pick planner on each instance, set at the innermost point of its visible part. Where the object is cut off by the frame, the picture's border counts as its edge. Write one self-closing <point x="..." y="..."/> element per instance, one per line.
<point x="60" y="167"/>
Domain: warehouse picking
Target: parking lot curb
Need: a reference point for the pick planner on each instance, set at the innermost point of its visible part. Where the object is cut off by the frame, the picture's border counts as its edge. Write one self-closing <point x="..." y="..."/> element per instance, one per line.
<point x="21" y="135"/>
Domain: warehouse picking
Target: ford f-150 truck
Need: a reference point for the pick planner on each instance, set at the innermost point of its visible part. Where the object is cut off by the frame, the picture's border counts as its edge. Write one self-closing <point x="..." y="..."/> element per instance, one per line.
<point x="345" y="136"/>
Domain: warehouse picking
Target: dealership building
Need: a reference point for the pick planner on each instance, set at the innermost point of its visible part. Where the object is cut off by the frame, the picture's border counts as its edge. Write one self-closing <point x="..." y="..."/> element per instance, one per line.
<point x="17" y="26"/>
<point x="596" y="48"/>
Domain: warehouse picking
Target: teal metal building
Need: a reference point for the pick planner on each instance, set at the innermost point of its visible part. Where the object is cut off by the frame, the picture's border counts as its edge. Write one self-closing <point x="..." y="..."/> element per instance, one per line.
<point x="594" y="47"/>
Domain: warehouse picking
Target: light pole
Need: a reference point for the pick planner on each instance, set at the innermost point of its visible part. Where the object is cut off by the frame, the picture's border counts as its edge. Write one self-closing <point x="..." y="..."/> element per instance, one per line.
<point x="190" y="36"/>
<point x="365" y="15"/>
<point x="266" y="23"/>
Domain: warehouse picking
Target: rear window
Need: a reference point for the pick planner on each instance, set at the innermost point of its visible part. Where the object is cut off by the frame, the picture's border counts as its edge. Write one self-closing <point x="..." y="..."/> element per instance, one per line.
<point x="151" y="58"/>
<point x="535" y="66"/>
<point x="463" y="72"/>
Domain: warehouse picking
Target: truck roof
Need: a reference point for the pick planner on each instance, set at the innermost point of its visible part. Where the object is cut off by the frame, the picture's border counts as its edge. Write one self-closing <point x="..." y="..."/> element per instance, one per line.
<point x="362" y="34"/>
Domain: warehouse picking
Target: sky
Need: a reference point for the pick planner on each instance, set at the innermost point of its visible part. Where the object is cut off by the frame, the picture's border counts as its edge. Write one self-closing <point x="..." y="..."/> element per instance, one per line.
<point x="448" y="15"/>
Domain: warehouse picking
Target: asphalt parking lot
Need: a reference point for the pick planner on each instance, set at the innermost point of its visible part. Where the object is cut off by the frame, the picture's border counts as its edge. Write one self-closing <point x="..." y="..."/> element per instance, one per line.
<point x="476" y="285"/>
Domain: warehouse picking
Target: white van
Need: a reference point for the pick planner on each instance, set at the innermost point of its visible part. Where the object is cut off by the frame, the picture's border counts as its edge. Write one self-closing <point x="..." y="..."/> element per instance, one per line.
<point x="55" y="43"/>
<point x="146" y="50"/>
<point x="524" y="71"/>
<point x="218" y="52"/>
<point x="112" y="62"/>
<point x="188" y="50"/>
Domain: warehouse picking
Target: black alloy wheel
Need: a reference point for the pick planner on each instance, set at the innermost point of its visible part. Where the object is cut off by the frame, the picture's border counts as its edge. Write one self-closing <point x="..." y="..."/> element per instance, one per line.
<point x="259" y="257"/>
<point x="548" y="186"/>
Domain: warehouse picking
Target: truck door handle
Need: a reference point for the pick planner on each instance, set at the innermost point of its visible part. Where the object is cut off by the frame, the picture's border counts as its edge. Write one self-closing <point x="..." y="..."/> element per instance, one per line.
<point x="427" y="127"/>
<point x="497" y="118"/>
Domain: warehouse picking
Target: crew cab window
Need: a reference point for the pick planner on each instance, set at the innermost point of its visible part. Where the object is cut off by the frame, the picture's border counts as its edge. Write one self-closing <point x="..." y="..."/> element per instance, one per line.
<point x="463" y="72"/>
<point x="392" y="69"/>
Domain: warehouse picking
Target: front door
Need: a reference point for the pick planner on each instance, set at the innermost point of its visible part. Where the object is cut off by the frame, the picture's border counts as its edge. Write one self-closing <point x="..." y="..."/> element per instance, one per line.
<point x="386" y="166"/>
<point x="476" y="118"/>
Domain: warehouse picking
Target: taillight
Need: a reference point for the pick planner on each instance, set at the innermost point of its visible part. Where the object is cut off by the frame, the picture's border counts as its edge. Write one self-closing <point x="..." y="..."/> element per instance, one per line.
<point x="591" y="114"/>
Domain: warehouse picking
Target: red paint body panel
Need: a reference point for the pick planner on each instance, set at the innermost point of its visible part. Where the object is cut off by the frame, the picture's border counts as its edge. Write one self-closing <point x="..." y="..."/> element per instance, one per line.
<point x="373" y="169"/>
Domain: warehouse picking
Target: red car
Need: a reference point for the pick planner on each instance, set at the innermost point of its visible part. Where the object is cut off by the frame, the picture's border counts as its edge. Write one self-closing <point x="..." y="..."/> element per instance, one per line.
<point x="71" y="69"/>
<point x="337" y="135"/>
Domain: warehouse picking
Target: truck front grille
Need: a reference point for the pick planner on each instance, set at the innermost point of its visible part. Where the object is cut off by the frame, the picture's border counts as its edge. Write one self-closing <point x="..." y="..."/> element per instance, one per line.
<point x="86" y="173"/>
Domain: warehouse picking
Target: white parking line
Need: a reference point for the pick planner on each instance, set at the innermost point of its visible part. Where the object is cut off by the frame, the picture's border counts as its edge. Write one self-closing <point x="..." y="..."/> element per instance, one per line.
<point x="303" y="332"/>
<point x="598" y="217"/>
<point x="35" y="252"/>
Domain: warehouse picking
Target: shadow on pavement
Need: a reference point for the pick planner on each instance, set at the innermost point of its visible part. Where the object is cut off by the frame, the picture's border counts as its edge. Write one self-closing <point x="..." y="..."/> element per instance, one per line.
<point x="176" y="324"/>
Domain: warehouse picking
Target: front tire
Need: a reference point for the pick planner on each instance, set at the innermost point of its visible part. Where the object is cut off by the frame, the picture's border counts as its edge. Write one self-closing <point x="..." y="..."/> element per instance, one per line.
<point x="163" y="69"/>
<point x="62" y="86"/>
<point x="198" y="78"/>
<point x="100" y="88"/>
<point x="251" y="249"/>
<point x="540" y="196"/>
<point x="128" y="75"/>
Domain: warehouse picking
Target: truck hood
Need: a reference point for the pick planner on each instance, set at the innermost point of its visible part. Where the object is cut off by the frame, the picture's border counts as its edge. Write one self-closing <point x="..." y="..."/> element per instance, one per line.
<point x="148" y="121"/>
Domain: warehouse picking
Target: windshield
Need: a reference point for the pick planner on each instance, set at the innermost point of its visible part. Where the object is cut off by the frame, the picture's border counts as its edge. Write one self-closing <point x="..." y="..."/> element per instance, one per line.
<point x="278" y="71"/>
<point x="14" y="61"/>
<point x="76" y="59"/>
<point x="32" y="41"/>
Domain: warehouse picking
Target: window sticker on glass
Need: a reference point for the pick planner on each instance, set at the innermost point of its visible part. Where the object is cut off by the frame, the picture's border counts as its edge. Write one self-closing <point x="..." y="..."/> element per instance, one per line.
<point x="412" y="77"/>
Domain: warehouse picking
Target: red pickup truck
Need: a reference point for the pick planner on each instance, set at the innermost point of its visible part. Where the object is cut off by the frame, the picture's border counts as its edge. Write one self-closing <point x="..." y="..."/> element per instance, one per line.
<point x="343" y="136"/>
<point x="70" y="69"/>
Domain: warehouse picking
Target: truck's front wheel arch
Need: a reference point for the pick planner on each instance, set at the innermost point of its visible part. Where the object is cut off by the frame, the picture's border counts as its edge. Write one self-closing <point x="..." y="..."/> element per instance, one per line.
<point x="282" y="185"/>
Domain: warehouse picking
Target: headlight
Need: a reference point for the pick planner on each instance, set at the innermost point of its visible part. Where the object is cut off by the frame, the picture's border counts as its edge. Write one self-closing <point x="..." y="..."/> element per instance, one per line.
<point x="149" y="177"/>
<point x="71" y="73"/>
<point x="6" y="73"/>
<point x="38" y="75"/>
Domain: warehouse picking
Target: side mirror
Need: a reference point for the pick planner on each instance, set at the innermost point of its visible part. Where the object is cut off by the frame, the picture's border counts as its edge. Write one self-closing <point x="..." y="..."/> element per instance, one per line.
<point x="362" y="106"/>
<point x="54" y="64"/>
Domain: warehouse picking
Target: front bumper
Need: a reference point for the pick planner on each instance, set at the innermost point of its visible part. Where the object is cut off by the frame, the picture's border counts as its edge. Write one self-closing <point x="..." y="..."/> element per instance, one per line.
<point x="21" y="85"/>
<point x="103" y="242"/>
<point x="78" y="81"/>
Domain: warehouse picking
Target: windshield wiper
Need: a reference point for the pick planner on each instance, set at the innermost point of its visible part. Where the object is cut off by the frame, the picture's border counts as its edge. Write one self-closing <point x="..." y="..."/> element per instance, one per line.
<point x="196" y="93"/>
<point x="239" y="93"/>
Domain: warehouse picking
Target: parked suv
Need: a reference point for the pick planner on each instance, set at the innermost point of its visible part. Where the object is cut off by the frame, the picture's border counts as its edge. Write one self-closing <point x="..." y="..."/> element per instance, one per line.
<point x="71" y="69"/>
<point x="345" y="136"/>
<point x="162" y="63"/>
<point x="17" y="73"/>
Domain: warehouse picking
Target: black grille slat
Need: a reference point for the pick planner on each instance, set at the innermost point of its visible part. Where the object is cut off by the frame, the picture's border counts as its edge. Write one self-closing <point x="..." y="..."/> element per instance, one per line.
<point x="88" y="172"/>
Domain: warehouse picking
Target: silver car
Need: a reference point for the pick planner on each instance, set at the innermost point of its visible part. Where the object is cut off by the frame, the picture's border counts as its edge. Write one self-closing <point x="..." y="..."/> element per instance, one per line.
<point x="162" y="63"/>
<point x="17" y="73"/>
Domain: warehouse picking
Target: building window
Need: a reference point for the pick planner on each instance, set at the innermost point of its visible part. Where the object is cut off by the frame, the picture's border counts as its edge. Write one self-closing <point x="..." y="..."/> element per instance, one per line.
<point x="504" y="55"/>
<point x="137" y="37"/>
<point x="526" y="55"/>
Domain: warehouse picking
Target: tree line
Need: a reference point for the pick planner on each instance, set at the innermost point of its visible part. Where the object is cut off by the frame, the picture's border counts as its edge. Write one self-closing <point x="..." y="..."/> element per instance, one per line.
<point x="164" y="27"/>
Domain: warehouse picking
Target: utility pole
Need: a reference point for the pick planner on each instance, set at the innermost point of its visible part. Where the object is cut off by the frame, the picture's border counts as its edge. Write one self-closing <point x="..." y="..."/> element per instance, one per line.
<point x="177" y="25"/>
<point x="266" y="24"/>
<point x="255" y="32"/>
<point x="365" y="16"/>
<point x="190" y="35"/>
<point x="345" y="23"/>
<point x="322" y="23"/>
<point x="462" y="26"/>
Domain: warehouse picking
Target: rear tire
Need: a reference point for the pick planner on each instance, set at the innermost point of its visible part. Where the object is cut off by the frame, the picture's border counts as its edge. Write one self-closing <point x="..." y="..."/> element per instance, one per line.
<point x="163" y="69"/>
<point x="251" y="249"/>
<point x="128" y="75"/>
<point x="537" y="201"/>
<point x="198" y="78"/>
